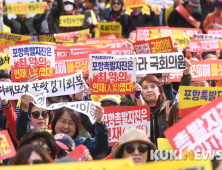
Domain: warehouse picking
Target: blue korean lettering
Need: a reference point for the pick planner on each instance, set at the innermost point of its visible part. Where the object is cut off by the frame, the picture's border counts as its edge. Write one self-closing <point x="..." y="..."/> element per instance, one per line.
<point x="196" y="94"/>
<point x="212" y="95"/>
<point x="130" y="65"/>
<point x="204" y="95"/>
<point x="94" y="65"/>
<point x="49" y="51"/>
<point x="187" y="94"/>
<point x="15" y="54"/>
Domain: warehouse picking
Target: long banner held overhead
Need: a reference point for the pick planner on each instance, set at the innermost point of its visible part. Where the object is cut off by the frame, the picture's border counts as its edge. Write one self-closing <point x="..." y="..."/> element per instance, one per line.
<point x="32" y="59"/>
<point x="13" y="39"/>
<point x="112" y="76"/>
<point x="26" y="8"/>
<point x="192" y="98"/>
<point x="157" y="63"/>
<point x="200" y="130"/>
<point x="205" y="45"/>
<point x="201" y="70"/>
<point x="54" y="87"/>
<point x="119" y="119"/>
<point x="7" y="149"/>
<point x="71" y="20"/>
<point x="160" y="45"/>
<point x="110" y="28"/>
<point x="135" y="3"/>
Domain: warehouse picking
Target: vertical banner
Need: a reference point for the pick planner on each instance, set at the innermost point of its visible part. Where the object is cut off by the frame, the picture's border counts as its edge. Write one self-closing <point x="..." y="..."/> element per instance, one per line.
<point x="71" y="20"/>
<point x="110" y="28"/>
<point x="192" y="98"/>
<point x="119" y="119"/>
<point x="200" y="130"/>
<point x="32" y="59"/>
<point x="7" y="149"/>
<point x="112" y="76"/>
<point x="160" y="45"/>
<point x="26" y="8"/>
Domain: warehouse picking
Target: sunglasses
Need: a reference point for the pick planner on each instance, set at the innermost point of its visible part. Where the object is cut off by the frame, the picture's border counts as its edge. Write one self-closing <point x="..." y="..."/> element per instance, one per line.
<point x="62" y="153"/>
<point x="116" y="3"/>
<point x="37" y="161"/>
<point x="130" y="148"/>
<point x="36" y="114"/>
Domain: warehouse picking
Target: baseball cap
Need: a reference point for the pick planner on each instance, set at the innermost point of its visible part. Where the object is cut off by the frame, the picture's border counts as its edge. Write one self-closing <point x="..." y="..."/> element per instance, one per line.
<point x="114" y="98"/>
<point x="195" y="4"/>
<point x="67" y="159"/>
<point x="64" y="141"/>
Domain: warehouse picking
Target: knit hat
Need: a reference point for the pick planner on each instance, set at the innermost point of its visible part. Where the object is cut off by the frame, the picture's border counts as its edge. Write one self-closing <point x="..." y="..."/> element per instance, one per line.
<point x="218" y="4"/>
<point x="133" y="135"/>
<point x="195" y="4"/>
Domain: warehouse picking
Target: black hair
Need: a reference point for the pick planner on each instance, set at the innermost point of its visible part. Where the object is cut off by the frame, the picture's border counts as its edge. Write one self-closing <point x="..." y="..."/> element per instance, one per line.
<point x="5" y="75"/>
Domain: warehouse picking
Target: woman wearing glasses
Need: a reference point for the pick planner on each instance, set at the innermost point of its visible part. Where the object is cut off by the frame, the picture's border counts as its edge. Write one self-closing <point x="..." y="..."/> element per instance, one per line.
<point x="134" y="144"/>
<point x="32" y="116"/>
<point x="31" y="154"/>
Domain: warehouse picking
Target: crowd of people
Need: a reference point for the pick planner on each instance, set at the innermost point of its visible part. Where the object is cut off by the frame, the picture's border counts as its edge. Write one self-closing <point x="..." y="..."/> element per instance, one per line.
<point x="42" y="136"/>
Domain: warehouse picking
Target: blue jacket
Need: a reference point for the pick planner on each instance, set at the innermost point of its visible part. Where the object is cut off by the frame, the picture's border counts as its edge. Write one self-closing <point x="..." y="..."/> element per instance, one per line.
<point x="168" y="90"/>
<point x="96" y="145"/>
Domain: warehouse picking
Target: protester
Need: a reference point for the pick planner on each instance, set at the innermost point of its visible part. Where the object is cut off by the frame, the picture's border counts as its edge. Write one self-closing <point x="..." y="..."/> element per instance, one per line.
<point x="23" y="25"/>
<point x="214" y="19"/>
<point x="31" y="154"/>
<point x="134" y="144"/>
<point x="41" y="138"/>
<point x="136" y="19"/>
<point x="69" y="122"/>
<point x="177" y="20"/>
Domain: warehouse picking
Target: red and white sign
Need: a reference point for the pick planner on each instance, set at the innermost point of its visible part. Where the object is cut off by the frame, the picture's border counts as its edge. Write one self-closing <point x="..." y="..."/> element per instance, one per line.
<point x="200" y="130"/>
<point x="215" y="31"/>
<point x="119" y="119"/>
<point x="78" y="153"/>
<point x="204" y="45"/>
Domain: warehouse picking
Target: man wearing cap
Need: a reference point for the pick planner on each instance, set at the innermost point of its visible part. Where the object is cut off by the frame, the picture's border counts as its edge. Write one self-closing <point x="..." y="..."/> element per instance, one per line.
<point x="177" y="20"/>
<point x="51" y="22"/>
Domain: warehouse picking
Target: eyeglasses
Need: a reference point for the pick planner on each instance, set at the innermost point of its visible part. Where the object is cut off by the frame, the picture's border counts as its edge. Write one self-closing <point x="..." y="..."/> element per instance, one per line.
<point x="37" y="161"/>
<point x="62" y="153"/>
<point x="116" y="3"/>
<point x="36" y="114"/>
<point x="130" y="148"/>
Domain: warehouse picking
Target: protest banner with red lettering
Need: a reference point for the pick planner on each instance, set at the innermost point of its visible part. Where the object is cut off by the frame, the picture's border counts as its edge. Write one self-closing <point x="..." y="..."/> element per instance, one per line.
<point x="179" y="31"/>
<point x="78" y="152"/>
<point x="160" y="45"/>
<point x="205" y="45"/>
<point x="215" y="31"/>
<point x="119" y="119"/>
<point x="143" y="33"/>
<point x="7" y="149"/>
<point x="201" y="70"/>
<point x="30" y="60"/>
<point x="116" y="44"/>
<point x="186" y="15"/>
<point x="200" y="130"/>
<point x="99" y="39"/>
<point x="112" y="76"/>
<point x="65" y="67"/>
<point x="135" y="3"/>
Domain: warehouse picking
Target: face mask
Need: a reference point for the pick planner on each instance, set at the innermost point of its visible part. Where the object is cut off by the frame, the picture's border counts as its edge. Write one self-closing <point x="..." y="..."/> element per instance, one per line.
<point x="101" y="6"/>
<point x="68" y="7"/>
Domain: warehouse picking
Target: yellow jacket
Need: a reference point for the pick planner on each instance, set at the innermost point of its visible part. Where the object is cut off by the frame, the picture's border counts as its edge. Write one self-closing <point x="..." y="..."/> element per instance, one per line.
<point x="168" y="12"/>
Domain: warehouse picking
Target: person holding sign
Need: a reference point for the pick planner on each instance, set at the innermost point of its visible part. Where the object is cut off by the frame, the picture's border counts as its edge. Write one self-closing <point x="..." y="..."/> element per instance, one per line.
<point x="68" y="121"/>
<point x="214" y="19"/>
<point x="23" y="25"/>
<point x="187" y="16"/>
<point x="136" y="19"/>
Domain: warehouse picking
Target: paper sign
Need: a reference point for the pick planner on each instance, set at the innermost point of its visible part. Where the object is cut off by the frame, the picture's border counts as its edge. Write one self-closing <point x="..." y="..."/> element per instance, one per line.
<point x="201" y="70"/>
<point x="215" y="31"/>
<point x="101" y="56"/>
<point x="182" y="40"/>
<point x="43" y="37"/>
<point x="7" y="149"/>
<point x="192" y="98"/>
<point x="200" y="130"/>
<point x="205" y="45"/>
<point x="85" y="107"/>
<point x="110" y="28"/>
<point x="161" y="3"/>
<point x="143" y="33"/>
<point x="78" y="152"/>
<point x="135" y="3"/>
<point x="160" y="45"/>
<point x="119" y="119"/>
<point x="64" y="68"/>
<point x="71" y="20"/>
<point x="179" y="31"/>
<point x="157" y="63"/>
<point x="4" y="61"/>
<point x="13" y="39"/>
<point x="112" y="76"/>
<point x="26" y="8"/>
<point x="186" y="15"/>
<point x="28" y="60"/>
<point x="55" y="87"/>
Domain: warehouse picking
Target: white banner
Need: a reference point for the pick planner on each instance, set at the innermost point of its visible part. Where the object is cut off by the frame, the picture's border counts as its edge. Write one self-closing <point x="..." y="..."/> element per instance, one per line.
<point x="160" y="3"/>
<point x="54" y="87"/>
<point x="157" y="63"/>
<point x="207" y="36"/>
<point x="101" y="56"/>
<point x="85" y="107"/>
